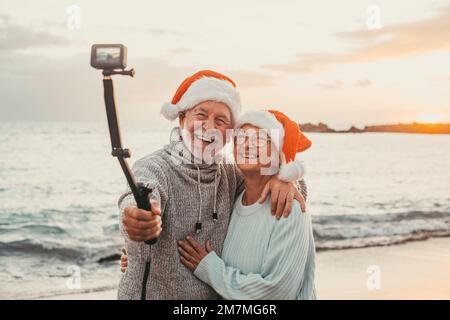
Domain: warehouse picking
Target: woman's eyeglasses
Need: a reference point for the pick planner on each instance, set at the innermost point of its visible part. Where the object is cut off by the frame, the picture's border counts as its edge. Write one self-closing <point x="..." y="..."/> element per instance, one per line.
<point x="254" y="138"/>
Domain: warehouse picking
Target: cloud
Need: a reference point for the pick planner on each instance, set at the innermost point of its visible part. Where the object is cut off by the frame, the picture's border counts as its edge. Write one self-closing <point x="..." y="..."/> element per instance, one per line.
<point x="363" y="83"/>
<point x="180" y="51"/>
<point x="336" y="85"/>
<point x="4" y="18"/>
<point x="35" y="87"/>
<point x="251" y="79"/>
<point x="164" y="32"/>
<point x="31" y="87"/>
<point x="390" y="42"/>
<point x="16" y="37"/>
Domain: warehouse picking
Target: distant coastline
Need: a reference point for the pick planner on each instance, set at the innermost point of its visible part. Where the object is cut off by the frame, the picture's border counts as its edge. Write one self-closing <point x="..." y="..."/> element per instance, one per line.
<point x="415" y="127"/>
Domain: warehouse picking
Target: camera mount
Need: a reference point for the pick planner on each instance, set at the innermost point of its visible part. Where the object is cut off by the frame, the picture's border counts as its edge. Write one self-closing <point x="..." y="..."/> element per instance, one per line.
<point x="110" y="72"/>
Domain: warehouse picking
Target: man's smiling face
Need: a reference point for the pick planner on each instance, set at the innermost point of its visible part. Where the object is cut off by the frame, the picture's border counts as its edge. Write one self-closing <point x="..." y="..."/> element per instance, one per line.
<point x="207" y="123"/>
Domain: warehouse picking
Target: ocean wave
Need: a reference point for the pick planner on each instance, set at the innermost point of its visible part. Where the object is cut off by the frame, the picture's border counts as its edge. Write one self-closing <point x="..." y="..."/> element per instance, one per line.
<point x="356" y="231"/>
<point x="79" y="253"/>
<point x="331" y="232"/>
<point x="28" y="246"/>
<point x="32" y="228"/>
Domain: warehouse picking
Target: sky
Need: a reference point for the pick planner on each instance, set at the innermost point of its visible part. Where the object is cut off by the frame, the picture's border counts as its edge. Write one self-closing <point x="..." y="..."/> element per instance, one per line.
<point x="342" y="62"/>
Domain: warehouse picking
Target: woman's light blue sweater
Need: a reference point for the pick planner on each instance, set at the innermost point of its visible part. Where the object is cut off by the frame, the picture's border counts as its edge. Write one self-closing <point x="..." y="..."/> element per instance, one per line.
<point x="263" y="258"/>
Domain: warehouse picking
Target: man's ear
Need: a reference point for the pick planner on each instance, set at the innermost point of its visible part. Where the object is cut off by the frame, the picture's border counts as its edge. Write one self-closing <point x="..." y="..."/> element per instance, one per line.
<point x="181" y="117"/>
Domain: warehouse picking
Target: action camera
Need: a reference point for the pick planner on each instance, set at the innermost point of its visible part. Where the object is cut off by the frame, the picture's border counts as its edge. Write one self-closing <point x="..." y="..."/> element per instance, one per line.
<point x="109" y="56"/>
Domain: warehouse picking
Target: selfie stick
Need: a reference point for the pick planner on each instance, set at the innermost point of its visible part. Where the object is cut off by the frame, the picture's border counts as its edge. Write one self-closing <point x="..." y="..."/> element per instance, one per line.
<point x="140" y="192"/>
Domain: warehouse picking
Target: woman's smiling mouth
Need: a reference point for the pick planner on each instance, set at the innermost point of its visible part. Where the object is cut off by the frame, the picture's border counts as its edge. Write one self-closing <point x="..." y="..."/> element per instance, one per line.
<point x="250" y="156"/>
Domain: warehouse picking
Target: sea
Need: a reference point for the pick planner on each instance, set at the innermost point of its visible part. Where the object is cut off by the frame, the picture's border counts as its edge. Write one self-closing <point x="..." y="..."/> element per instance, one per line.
<point x="59" y="187"/>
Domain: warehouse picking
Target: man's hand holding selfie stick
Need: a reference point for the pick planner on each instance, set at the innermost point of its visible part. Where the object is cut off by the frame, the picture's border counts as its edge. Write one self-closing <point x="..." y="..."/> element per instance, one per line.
<point x="142" y="225"/>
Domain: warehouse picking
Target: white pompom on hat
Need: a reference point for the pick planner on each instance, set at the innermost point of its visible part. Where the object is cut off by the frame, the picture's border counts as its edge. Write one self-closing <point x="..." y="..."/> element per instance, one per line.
<point x="291" y="140"/>
<point x="205" y="85"/>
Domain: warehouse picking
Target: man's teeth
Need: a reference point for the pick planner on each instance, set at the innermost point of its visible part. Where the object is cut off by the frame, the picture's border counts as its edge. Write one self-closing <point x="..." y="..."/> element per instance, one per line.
<point x="203" y="138"/>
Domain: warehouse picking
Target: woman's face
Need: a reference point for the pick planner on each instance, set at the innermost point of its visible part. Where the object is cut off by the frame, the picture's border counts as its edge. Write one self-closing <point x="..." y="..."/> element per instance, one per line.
<point x="253" y="151"/>
<point x="207" y="123"/>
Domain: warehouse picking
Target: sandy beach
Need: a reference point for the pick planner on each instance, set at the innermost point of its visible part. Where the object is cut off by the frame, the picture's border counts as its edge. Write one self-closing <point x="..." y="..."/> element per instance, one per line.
<point x="416" y="270"/>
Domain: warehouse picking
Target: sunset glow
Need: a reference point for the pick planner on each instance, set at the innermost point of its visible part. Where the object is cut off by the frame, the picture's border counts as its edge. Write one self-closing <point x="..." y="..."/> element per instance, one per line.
<point x="430" y="118"/>
<point x="323" y="64"/>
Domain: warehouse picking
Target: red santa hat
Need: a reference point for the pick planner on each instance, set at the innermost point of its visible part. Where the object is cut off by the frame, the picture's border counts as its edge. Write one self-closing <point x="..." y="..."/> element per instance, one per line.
<point x="291" y="141"/>
<point x="203" y="86"/>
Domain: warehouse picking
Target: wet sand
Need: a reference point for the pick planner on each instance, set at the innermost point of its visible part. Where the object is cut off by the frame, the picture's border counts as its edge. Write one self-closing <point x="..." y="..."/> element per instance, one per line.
<point x="416" y="270"/>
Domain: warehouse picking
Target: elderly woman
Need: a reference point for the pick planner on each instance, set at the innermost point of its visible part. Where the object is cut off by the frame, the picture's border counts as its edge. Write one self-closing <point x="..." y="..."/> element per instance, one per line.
<point x="262" y="258"/>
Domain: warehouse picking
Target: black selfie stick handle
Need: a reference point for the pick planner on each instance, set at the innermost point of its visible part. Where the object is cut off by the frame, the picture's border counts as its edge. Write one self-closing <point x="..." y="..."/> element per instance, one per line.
<point x="140" y="192"/>
<point x="143" y="202"/>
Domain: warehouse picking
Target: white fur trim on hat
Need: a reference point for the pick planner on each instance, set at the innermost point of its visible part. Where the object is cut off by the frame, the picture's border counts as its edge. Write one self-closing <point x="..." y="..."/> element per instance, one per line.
<point x="170" y="111"/>
<point x="292" y="171"/>
<point x="201" y="90"/>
